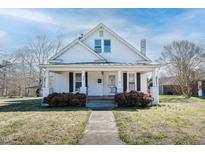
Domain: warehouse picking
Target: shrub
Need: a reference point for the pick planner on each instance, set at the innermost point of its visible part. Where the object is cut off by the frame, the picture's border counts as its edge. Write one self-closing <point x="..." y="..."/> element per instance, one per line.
<point x="65" y="99"/>
<point x="120" y="98"/>
<point x="133" y="98"/>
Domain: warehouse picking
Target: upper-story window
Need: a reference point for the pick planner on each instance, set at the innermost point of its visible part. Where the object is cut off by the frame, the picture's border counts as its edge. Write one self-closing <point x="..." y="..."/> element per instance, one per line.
<point x="98" y="47"/>
<point x="107" y="46"/>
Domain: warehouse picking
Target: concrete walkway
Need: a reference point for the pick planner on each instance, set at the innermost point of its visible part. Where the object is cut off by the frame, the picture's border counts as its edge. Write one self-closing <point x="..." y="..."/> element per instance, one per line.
<point x="101" y="129"/>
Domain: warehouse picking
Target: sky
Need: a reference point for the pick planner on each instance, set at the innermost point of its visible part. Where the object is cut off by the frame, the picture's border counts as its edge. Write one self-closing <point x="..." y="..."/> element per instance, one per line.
<point x="158" y="26"/>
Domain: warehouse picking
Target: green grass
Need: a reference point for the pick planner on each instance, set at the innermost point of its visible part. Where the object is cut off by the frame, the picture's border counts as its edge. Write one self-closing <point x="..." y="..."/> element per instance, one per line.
<point x="179" y="99"/>
<point x="176" y="121"/>
<point x="25" y="122"/>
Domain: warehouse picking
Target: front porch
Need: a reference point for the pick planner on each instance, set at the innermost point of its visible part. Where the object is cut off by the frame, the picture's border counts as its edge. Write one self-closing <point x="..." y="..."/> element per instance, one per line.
<point x="100" y="79"/>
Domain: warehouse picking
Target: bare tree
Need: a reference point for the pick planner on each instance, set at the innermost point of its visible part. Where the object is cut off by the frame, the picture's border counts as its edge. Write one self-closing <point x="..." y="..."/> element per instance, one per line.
<point x="20" y="73"/>
<point x="6" y="68"/>
<point x="184" y="60"/>
<point x="26" y="71"/>
<point x="42" y="49"/>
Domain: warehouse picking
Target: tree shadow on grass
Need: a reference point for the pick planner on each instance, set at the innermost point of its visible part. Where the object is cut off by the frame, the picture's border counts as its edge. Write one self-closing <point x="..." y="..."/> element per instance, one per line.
<point x="33" y="106"/>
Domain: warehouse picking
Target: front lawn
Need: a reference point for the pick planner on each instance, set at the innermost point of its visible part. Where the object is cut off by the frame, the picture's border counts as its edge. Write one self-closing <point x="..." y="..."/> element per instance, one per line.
<point x="176" y="121"/>
<point x="25" y="122"/>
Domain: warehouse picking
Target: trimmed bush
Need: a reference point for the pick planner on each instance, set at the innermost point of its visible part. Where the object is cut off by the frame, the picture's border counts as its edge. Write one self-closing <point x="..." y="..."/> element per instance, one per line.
<point x="65" y="99"/>
<point x="133" y="98"/>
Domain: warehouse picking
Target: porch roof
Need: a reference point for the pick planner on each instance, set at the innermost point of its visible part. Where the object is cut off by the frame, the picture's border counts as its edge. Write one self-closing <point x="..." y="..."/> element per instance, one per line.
<point x="101" y="66"/>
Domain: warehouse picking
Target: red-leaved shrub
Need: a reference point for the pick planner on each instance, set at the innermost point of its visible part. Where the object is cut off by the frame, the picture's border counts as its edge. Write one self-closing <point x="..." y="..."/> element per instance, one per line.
<point x="65" y="99"/>
<point x="133" y="98"/>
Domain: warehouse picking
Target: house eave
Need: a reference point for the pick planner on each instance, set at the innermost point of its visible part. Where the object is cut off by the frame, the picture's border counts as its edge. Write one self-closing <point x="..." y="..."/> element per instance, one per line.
<point x="101" y="67"/>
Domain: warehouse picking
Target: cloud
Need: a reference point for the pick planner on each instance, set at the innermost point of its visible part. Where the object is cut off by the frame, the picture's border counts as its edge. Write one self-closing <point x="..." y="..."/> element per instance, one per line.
<point x="134" y="26"/>
<point x="29" y="15"/>
<point x="68" y="25"/>
<point x="74" y="23"/>
<point x="3" y="38"/>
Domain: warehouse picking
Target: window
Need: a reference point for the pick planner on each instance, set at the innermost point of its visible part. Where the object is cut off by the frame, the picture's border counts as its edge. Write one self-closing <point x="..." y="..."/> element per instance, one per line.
<point x="98" y="46"/>
<point x="131" y="83"/>
<point x="101" y="33"/>
<point x="78" y="81"/>
<point x="107" y="46"/>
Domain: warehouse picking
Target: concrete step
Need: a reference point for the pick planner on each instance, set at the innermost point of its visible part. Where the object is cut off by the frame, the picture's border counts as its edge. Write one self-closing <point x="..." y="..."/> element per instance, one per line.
<point x="101" y="104"/>
<point x="101" y="101"/>
<point x="100" y="97"/>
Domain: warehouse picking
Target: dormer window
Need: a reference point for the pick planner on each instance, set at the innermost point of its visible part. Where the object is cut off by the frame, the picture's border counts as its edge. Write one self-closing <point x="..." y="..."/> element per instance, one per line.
<point x="98" y="46"/>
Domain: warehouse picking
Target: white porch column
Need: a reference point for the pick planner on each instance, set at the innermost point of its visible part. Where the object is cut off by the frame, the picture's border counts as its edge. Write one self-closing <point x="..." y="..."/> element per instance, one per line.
<point x="46" y="84"/>
<point x="199" y="88"/>
<point x="83" y="87"/>
<point x="119" y="82"/>
<point x="143" y="82"/>
<point x="155" y="88"/>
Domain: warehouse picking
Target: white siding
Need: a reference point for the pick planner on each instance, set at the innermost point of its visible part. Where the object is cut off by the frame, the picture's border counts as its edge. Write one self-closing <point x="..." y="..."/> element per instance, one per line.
<point x="61" y="82"/>
<point x="77" y="54"/>
<point x="95" y="88"/>
<point x="99" y="89"/>
<point x="119" y="51"/>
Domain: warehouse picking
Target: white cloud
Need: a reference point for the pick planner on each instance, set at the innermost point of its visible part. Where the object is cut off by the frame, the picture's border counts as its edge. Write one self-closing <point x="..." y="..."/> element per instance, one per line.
<point x="74" y="23"/>
<point x="3" y="38"/>
<point x="68" y="25"/>
<point x="31" y="15"/>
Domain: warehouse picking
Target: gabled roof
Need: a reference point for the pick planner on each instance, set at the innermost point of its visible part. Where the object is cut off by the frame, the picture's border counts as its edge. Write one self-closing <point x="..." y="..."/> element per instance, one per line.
<point x="102" y="26"/>
<point x="99" y="26"/>
<point x="76" y="41"/>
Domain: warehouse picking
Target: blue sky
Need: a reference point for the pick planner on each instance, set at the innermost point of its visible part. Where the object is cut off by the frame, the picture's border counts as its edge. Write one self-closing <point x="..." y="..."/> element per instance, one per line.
<point x="158" y="26"/>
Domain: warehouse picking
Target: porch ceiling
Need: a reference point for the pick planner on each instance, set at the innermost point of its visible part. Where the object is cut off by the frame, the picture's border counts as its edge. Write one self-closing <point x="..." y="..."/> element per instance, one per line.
<point x="101" y="67"/>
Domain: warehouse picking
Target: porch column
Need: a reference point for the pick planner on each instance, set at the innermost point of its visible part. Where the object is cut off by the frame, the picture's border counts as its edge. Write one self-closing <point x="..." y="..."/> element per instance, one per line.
<point x="46" y="84"/>
<point x="143" y="82"/>
<point x="119" y="82"/>
<point x="83" y="87"/>
<point x="155" y="87"/>
<point x="199" y="88"/>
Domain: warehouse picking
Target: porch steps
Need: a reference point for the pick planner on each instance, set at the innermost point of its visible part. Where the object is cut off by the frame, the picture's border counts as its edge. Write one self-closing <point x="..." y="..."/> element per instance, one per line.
<point x="101" y="102"/>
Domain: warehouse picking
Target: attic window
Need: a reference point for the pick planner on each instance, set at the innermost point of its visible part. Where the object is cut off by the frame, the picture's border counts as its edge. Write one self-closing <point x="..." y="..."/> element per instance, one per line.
<point x="101" y="33"/>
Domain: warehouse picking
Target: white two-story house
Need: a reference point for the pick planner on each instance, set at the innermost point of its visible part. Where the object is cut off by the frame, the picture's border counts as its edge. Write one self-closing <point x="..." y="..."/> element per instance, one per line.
<point x="100" y="63"/>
